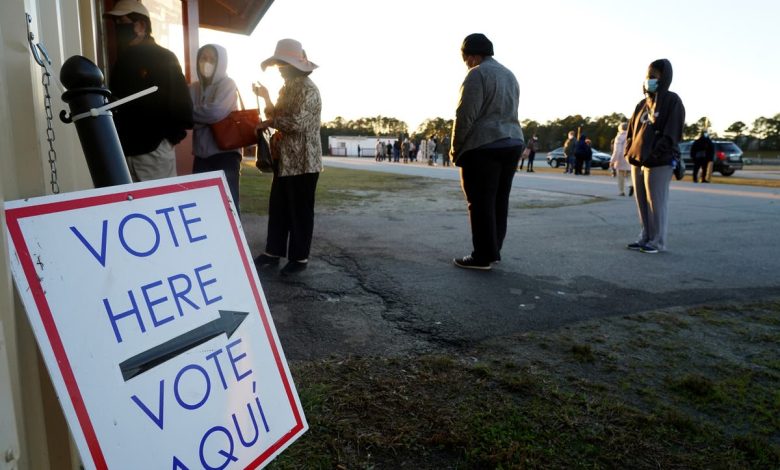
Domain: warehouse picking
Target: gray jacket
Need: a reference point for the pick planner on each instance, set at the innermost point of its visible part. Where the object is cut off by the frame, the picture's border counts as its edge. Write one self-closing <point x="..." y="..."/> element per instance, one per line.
<point x="487" y="109"/>
<point x="211" y="104"/>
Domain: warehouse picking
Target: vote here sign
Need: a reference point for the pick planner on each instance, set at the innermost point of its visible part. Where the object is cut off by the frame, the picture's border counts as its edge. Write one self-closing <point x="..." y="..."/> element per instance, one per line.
<point x="153" y="325"/>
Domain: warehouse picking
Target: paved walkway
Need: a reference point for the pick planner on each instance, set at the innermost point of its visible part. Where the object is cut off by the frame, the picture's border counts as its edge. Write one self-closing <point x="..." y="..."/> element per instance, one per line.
<point x="381" y="279"/>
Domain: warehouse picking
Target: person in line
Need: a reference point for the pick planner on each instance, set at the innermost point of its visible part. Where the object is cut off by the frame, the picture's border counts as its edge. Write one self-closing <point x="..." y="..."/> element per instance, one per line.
<point x="213" y="98"/>
<point x="445" y="151"/>
<point x="618" y="162"/>
<point x="148" y="127"/>
<point x="405" y="150"/>
<point x="702" y="153"/>
<point x="296" y="117"/>
<point x="524" y="157"/>
<point x="568" y="152"/>
<point x="422" y="150"/>
<point x="380" y="149"/>
<point x="486" y="144"/>
<point x="582" y="152"/>
<point x="533" y="143"/>
<point x="588" y="157"/>
<point x="653" y="133"/>
<point x="432" y="150"/>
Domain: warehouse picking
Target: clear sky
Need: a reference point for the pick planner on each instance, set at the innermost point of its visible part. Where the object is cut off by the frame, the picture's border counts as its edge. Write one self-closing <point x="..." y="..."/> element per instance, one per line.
<point x="402" y="58"/>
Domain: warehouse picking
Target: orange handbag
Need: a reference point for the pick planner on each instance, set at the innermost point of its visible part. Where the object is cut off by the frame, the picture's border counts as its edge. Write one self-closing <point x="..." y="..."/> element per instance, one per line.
<point x="237" y="130"/>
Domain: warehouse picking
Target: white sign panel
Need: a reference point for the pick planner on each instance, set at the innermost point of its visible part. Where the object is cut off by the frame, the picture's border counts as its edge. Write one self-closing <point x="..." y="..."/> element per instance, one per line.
<point x="153" y="325"/>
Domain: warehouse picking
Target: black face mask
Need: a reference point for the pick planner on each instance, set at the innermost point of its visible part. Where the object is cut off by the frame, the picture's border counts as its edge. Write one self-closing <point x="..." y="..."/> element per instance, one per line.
<point x="125" y="32"/>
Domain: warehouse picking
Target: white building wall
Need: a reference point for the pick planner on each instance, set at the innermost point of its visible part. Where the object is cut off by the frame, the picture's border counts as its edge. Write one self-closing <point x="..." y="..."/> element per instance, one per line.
<point x="347" y="146"/>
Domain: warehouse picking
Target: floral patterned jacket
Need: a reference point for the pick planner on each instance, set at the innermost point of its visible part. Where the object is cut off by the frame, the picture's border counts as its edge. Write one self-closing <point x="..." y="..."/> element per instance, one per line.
<point x="297" y="117"/>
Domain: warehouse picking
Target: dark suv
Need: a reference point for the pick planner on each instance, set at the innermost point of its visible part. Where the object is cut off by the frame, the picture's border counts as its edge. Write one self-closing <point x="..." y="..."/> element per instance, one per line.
<point x="728" y="156"/>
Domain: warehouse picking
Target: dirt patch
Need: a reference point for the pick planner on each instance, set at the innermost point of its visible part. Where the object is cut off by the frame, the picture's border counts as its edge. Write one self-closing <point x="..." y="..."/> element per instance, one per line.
<point x="437" y="196"/>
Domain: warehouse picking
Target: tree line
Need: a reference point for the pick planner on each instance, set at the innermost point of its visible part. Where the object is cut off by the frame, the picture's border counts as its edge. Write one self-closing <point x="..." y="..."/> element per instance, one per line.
<point x="762" y="134"/>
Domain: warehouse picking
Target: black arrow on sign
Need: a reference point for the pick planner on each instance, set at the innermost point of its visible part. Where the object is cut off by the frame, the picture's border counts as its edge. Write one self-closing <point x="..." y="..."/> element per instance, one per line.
<point x="228" y="322"/>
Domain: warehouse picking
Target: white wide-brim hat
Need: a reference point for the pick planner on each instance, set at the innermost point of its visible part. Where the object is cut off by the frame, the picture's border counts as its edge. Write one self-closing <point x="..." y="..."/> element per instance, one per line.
<point x="290" y="52"/>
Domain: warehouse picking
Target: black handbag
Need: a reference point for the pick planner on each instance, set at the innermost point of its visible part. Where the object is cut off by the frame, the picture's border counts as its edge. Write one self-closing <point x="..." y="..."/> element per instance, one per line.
<point x="679" y="167"/>
<point x="264" y="162"/>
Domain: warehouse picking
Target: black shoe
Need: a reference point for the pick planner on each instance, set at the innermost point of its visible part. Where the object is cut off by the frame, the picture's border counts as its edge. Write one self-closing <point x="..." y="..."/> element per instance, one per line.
<point x="293" y="267"/>
<point x="648" y="249"/>
<point x="467" y="262"/>
<point x="634" y="246"/>
<point x="630" y="191"/>
<point x="266" y="260"/>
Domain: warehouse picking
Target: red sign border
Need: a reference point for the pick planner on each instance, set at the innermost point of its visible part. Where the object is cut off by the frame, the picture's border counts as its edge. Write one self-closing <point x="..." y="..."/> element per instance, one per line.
<point x="13" y="216"/>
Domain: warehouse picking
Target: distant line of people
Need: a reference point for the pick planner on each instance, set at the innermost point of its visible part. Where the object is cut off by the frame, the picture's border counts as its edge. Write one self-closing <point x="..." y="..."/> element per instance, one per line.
<point x="430" y="150"/>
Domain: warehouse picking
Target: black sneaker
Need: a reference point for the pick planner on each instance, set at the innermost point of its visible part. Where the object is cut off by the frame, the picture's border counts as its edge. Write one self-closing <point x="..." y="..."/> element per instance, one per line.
<point x="467" y="262"/>
<point x="266" y="260"/>
<point x="634" y="246"/>
<point x="648" y="249"/>
<point x="293" y="267"/>
<point x="630" y="191"/>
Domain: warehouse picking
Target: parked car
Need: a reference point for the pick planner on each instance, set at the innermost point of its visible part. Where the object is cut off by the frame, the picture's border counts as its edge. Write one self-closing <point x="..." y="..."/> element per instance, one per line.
<point x="600" y="159"/>
<point x="728" y="156"/>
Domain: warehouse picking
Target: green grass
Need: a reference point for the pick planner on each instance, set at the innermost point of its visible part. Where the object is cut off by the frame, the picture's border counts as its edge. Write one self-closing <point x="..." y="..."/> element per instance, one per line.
<point x="435" y="412"/>
<point x="592" y="396"/>
<point x="703" y="394"/>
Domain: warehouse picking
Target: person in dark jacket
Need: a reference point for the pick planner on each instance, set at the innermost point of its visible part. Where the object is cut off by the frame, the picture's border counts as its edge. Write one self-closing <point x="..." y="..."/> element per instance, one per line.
<point x="582" y="153"/>
<point x="533" y="144"/>
<point x="702" y="153"/>
<point x="148" y="127"/>
<point x="654" y="130"/>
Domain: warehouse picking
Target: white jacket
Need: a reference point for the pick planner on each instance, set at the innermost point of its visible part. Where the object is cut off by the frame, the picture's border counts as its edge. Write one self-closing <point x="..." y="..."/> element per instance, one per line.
<point x="618" y="160"/>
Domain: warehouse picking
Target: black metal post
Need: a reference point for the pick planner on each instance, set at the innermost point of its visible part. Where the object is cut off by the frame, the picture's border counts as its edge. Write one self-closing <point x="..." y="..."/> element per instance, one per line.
<point x="97" y="134"/>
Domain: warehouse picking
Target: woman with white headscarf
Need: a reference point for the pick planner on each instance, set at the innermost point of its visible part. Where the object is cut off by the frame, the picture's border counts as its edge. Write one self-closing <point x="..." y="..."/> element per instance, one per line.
<point x="213" y="98"/>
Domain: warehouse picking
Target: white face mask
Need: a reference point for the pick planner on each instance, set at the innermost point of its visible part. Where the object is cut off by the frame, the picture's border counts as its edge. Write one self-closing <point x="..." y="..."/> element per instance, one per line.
<point x="207" y="69"/>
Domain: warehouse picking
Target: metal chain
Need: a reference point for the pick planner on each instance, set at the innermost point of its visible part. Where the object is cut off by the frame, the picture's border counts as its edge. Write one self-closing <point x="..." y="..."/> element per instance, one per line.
<point x="46" y="80"/>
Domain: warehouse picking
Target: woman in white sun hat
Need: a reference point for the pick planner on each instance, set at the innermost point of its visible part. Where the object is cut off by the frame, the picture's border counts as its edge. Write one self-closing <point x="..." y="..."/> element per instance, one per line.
<point x="298" y="155"/>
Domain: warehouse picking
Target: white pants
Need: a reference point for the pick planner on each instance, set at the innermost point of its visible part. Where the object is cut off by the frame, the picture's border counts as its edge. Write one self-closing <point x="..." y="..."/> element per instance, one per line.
<point x="621" y="176"/>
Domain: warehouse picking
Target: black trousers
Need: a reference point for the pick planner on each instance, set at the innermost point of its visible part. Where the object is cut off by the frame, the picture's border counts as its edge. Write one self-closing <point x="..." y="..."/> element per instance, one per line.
<point x="699" y="164"/>
<point x="230" y="163"/>
<point x="291" y="216"/>
<point x="486" y="177"/>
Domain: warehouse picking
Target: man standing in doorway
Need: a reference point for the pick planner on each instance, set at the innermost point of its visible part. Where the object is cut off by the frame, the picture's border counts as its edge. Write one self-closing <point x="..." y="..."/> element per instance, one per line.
<point x="148" y="127"/>
<point x="487" y="141"/>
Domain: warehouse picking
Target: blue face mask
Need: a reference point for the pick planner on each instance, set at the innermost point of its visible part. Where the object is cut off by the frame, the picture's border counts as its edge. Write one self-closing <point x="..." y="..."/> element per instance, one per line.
<point x="651" y="85"/>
